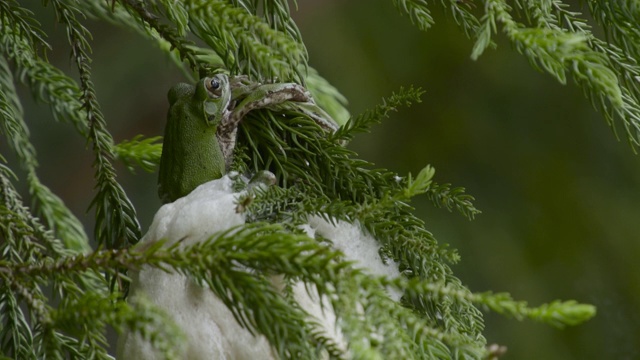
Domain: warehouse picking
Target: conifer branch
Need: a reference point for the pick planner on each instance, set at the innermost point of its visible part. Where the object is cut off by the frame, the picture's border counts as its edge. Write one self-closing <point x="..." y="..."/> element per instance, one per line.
<point x="91" y="313"/>
<point x="15" y="334"/>
<point x="619" y="20"/>
<point x="420" y="16"/>
<point x="175" y="12"/>
<point x="47" y="83"/>
<point x="438" y="316"/>
<point x="144" y="153"/>
<point x="247" y="45"/>
<point x="26" y="241"/>
<point x="23" y="232"/>
<point x="382" y="211"/>
<point x="461" y="11"/>
<point x="172" y="36"/>
<point x="19" y="24"/>
<point x="556" y="313"/>
<point x="48" y="206"/>
<point x="606" y="75"/>
<point x="365" y="121"/>
<point x="442" y="195"/>
<point x="116" y="223"/>
<point x="418" y="12"/>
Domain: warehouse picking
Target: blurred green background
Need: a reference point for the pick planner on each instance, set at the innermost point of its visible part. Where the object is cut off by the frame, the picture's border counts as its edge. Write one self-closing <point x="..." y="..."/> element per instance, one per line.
<point x="558" y="192"/>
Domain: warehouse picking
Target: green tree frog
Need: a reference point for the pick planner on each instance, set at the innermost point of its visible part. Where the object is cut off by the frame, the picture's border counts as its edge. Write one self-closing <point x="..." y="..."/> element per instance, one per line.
<point x="191" y="154"/>
<point x="202" y="122"/>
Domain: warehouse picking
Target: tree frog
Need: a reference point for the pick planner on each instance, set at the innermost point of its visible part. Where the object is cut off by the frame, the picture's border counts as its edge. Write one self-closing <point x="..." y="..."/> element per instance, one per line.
<point x="202" y="123"/>
<point x="191" y="154"/>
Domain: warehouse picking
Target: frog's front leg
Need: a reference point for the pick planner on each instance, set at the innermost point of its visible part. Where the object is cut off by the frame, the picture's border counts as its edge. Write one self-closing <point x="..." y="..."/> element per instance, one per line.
<point x="261" y="96"/>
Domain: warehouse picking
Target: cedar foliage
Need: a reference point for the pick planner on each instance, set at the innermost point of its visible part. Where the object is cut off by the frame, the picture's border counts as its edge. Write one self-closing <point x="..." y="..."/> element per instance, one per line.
<point x="57" y="293"/>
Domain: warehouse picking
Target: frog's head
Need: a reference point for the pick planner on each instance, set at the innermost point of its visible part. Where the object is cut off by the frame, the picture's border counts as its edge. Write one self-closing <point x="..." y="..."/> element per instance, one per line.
<point x="215" y="94"/>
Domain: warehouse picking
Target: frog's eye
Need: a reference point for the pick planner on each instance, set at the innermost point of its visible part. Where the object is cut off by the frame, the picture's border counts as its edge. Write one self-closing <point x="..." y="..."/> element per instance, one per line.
<point x="214" y="87"/>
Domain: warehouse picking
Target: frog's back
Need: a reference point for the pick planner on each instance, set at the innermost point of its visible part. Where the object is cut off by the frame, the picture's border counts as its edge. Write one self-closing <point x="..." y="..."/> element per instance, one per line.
<point x="191" y="154"/>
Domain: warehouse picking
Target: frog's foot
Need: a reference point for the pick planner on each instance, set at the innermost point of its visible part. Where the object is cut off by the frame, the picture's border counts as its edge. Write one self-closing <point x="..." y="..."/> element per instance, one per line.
<point x="261" y="96"/>
<point x="288" y="96"/>
<point x="265" y="96"/>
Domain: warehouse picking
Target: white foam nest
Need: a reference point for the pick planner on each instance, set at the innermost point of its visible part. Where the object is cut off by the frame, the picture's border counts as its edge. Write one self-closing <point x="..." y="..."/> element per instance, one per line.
<point x="210" y="330"/>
